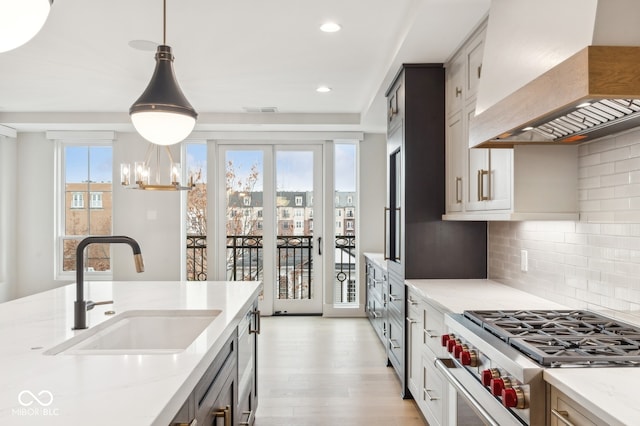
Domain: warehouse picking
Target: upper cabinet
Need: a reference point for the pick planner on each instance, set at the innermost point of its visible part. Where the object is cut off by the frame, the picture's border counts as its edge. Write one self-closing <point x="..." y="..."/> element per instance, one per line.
<point x="521" y="183"/>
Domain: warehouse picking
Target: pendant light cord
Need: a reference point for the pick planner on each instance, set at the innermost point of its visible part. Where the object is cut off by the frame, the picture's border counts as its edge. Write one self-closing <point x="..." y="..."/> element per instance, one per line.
<point x="164" y="22"/>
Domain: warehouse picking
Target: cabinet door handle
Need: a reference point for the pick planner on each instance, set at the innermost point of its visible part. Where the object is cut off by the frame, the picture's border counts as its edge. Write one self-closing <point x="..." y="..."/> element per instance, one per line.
<point x="394" y="344"/>
<point x="194" y="422"/>
<point x="563" y="416"/>
<point x="319" y="246"/>
<point x="411" y="321"/>
<point x="225" y="413"/>
<point x="481" y="195"/>
<point x="412" y="302"/>
<point x="427" y="393"/>
<point x="256" y="315"/>
<point x="458" y="190"/>
<point x="479" y="70"/>
<point x="458" y="91"/>
<point x="386" y="255"/>
<point x="393" y="298"/>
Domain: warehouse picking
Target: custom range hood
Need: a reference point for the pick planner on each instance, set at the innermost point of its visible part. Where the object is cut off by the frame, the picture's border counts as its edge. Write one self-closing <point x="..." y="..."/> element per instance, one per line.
<point x="579" y="96"/>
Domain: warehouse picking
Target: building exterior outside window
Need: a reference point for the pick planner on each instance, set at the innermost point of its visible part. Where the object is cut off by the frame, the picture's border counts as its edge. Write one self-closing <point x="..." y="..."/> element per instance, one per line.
<point x="96" y="200"/>
<point x="77" y="200"/>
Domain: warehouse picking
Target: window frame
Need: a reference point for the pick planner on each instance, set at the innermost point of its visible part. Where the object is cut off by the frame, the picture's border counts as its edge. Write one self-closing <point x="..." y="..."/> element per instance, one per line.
<point x="101" y="139"/>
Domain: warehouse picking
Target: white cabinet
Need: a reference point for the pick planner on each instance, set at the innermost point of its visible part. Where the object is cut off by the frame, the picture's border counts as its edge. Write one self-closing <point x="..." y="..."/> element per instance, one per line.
<point x="521" y="183"/>
<point x="429" y="389"/>
<point x="565" y="411"/>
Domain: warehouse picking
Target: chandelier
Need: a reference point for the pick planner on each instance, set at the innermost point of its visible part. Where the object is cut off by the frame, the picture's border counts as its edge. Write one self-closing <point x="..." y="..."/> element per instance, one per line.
<point x="151" y="166"/>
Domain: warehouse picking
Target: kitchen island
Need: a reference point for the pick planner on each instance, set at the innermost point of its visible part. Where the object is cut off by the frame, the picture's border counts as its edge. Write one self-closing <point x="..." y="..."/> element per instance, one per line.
<point x="106" y="389"/>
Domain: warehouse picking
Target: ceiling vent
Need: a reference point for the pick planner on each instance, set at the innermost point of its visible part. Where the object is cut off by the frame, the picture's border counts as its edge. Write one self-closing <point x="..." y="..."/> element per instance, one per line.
<point x="260" y="109"/>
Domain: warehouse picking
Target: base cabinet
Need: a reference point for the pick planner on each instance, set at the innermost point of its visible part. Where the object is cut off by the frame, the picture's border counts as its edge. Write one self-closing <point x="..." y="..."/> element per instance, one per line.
<point x="376" y="303"/>
<point x="429" y="389"/>
<point x="565" y="411"/>
<point x="226" y="395"/>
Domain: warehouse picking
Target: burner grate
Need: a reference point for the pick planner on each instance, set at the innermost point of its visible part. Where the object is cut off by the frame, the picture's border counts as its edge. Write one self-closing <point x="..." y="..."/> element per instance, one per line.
<point x="554" y="337"/>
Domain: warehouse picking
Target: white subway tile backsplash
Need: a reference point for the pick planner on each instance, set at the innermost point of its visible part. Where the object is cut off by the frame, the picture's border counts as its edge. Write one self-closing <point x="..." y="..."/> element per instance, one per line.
<point x="593" y="263"/>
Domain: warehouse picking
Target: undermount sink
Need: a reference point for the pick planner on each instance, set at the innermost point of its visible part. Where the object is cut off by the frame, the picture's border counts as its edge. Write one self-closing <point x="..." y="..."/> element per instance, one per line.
<point x="140" y="332"/>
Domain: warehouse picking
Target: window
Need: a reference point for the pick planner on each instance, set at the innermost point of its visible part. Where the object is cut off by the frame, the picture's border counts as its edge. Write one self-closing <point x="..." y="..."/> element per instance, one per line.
<point x="84" y="207"/>
<point x="247" y="212"/>
<point x="285" y="214"/>
<point x="96" y="200"/>
<point x="299" y="224"/>
<point x="349" y="226"/>
<point x="299" y="213"/>
<point x="247" y="200"/>
<point x="77" y="200"/>
<point x="298" y="200"/>
<point x="260" y="213"/>
<point x="259" y="224"/>
<point x="339" y="213"/>
<point x="349" y="199"/>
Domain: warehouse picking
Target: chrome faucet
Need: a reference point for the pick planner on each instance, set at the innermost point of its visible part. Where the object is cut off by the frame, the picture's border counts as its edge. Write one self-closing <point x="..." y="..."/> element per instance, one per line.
<point x="80" y="307"/>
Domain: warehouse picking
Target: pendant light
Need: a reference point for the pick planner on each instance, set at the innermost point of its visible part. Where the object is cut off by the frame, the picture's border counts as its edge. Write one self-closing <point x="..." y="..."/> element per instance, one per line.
<point x="162" y="114"/>
<point x="20" y="21"/>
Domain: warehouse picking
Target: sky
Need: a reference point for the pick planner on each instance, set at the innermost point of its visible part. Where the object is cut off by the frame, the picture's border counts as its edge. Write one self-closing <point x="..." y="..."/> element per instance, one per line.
<point x="77" y="159"/>
<point x="294" y="169"/>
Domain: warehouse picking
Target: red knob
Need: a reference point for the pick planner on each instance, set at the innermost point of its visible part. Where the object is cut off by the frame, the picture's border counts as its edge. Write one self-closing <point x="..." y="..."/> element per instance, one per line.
<point x="450" y="345"/>
<point x="489" y="374"/>
<point x="445" y="339"/>
<point x="509" y="397"/>
<point x="513" y="398"/>
<point x="469" y="358"/>
<point x="497" y="385"/>
<point x="457" y="350"/>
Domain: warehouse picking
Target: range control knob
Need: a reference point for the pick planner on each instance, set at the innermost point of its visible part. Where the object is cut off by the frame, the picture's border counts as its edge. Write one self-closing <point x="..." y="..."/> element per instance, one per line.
<point x="488" y="374"/>
<point x="498" y="384"/>
<point x="469" y="357"/>
<point x="444" y="339"/>
<point x="452" y="344"/>
<point x="514" y="398"/>
<point x="458" y="349"/>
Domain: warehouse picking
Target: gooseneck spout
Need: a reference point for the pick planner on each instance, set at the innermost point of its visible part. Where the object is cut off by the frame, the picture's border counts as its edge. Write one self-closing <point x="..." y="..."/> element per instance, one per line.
<point x="80" y="306"/>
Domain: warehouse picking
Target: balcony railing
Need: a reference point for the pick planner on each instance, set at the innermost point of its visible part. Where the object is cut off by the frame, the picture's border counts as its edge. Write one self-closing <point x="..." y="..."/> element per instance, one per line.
<point x="294" y="258"/>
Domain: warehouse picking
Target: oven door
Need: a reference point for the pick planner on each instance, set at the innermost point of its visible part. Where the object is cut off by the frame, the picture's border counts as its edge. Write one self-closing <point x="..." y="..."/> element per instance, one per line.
<point x="474" y="405"/>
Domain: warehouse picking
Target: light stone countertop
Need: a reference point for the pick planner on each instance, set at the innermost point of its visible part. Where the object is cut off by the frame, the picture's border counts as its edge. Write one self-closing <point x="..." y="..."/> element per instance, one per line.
<point x="107" y="389"/>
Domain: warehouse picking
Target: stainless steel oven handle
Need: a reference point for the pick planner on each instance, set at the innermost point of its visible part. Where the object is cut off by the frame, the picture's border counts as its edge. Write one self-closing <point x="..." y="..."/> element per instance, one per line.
<point x="563" y="416"/>
<point x="440" y="365"/>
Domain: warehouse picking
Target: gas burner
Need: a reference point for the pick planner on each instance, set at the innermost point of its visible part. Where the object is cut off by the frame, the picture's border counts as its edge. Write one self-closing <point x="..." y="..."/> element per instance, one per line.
<point x="559" y="337"/>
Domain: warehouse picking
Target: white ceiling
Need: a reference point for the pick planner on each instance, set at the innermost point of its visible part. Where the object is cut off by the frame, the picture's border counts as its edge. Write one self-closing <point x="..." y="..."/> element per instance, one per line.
<point x="79" y="72"/>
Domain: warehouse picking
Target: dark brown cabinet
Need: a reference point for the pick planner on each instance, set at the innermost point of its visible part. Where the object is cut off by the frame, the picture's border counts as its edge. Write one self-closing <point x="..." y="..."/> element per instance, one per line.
<point x="419" y="245"/>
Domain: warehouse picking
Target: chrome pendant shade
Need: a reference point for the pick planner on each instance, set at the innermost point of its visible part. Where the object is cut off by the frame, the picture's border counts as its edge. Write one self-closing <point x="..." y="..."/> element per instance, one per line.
<point x="162" y="114"/>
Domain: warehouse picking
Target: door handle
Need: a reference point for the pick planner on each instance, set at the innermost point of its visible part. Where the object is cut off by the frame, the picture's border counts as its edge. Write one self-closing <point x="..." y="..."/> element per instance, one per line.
<point x="319" y="246"/>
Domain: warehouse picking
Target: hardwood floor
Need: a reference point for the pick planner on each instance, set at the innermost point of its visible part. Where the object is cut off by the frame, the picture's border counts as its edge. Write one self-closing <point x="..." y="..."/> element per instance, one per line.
<point x="317" y="371"/>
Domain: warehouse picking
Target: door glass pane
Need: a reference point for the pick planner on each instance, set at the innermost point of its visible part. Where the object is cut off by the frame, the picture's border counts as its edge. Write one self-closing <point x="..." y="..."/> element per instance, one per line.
<point x="345" y="288"/>
<point x="244" y="171"/>
<point x="196" y="162"/>
<point x="294" y="215"/>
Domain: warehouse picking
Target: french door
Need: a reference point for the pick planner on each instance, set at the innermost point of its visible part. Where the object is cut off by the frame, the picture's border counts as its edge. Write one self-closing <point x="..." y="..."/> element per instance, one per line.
<point x="270" y="199"/>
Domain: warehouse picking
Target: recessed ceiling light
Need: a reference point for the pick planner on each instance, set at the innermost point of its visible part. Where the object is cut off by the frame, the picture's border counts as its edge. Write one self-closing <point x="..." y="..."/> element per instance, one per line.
<point x="330" y="27"/>
<point x="323" y="89"/>
<point x="144" y="45"/>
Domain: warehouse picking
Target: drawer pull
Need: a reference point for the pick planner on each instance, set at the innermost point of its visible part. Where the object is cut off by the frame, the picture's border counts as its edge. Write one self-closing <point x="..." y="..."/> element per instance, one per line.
<point x="563" y="416"/>
<point x="256" y="315"/>
<point x="412" y="302"/>
<point x="225" y="414"/>
<point x="427" y="393"/>
<point x="429" y="335"/>
<point x="394" y="344"/>
<point x="248" y="414"/>
<point x="393" y="298"/>
<point x="411" y="321"/>
<point x="458" y="91"/>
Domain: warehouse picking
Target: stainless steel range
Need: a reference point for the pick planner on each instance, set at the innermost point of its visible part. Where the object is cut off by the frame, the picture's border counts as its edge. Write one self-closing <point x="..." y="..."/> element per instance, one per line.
<point x="496" y="358"/>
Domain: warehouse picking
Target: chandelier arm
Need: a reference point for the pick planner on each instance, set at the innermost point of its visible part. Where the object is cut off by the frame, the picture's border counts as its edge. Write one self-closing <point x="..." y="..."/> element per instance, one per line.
<point x="147" y="156"/>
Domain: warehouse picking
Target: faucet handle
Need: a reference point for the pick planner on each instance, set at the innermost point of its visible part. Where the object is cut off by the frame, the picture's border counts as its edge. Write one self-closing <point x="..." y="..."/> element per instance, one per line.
<point x="91" y="304"/>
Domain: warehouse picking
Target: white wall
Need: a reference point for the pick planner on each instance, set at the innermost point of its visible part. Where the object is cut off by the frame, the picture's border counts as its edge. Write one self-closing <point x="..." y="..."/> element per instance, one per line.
<point x="593" y="263"/>
<point x="35" y="214"/>
<point x="8" y="197"/>
<point x="372" y="177"/>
